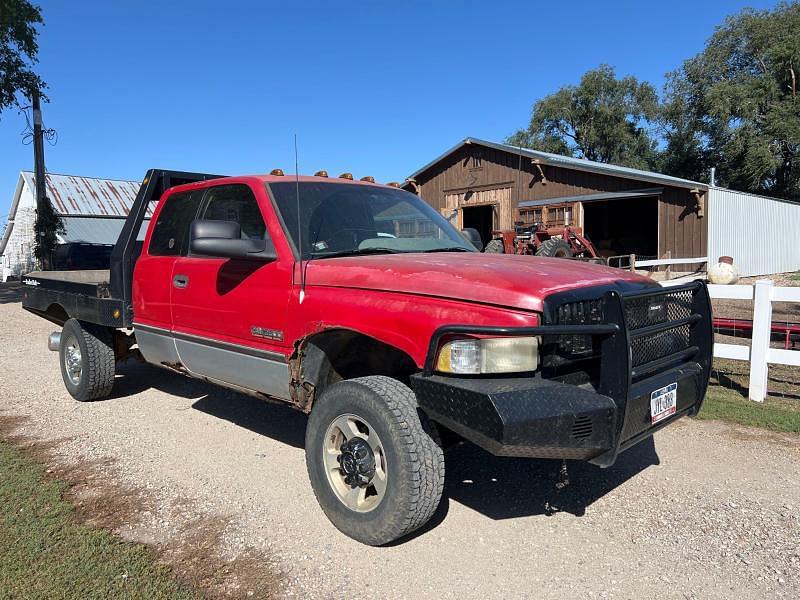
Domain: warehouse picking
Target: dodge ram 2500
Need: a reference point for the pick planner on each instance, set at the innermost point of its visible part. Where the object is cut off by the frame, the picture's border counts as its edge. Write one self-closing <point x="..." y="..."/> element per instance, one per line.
<point x="360" y="305"/>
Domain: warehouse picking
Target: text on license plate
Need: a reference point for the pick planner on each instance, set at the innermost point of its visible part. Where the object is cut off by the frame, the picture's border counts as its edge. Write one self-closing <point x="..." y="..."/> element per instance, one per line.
<point x="663" y="402"/>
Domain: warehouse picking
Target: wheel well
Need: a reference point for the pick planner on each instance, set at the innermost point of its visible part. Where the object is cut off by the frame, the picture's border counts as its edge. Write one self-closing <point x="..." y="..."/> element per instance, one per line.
<point x="337" y="354"/>
<point x="56" y="313"/>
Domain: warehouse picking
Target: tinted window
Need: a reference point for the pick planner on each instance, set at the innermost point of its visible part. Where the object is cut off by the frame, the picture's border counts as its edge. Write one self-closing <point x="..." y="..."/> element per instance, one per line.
<point x="236" y="203"/>
<point x="172" y="228"/>
<point x="338" y="217"/>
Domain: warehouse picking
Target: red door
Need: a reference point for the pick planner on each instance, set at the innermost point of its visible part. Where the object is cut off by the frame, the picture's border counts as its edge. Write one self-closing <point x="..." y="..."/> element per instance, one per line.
<point x="229" y="316"/>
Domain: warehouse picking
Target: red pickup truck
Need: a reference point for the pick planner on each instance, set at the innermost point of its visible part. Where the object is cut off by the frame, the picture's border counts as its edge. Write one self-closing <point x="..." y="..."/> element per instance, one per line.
<point x="360" y="305"/>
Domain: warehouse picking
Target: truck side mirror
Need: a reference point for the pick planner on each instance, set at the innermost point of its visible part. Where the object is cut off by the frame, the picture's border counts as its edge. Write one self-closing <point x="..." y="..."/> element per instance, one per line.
<point x="473" y="237"/>
<point x="224" y="239"/>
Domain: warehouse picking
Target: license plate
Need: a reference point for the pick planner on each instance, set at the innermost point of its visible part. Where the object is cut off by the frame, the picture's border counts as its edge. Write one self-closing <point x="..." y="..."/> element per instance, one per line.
<point x="663" y="403"/>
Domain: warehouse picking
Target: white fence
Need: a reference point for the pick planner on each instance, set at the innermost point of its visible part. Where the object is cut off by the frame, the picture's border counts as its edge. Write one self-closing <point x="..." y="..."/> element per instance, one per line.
<point x="759" y="354"/>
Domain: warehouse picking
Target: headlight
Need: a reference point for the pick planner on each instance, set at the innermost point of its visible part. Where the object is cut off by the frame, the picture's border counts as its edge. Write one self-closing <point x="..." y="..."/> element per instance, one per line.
<point x="490" y="355"/>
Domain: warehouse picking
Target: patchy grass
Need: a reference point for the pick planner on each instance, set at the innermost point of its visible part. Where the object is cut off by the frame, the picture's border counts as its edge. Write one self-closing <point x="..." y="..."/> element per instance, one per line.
<point x="46" y="553"/>
<point x="795" y="276"/>
<point x="730" y="405"/>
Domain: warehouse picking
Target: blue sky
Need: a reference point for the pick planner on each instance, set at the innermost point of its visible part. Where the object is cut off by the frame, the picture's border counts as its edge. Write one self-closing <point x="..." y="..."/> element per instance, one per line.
<point x="376" y="88"/>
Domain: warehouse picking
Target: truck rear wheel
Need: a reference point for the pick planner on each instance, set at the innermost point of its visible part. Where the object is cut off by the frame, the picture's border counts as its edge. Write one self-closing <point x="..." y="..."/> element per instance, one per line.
<point x="555" y="248"/>
<point x="86" y="354"/>
<point x="373" y="459"/>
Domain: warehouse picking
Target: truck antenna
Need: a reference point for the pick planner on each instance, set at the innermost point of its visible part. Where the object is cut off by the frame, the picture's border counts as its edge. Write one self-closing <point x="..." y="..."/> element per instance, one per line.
<point x="299" y="223"/>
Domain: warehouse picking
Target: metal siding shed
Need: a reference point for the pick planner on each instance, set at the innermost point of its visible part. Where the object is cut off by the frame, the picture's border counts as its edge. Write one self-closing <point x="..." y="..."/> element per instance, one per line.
<point x="758" y="232"/>
<point x="72" y="197"/>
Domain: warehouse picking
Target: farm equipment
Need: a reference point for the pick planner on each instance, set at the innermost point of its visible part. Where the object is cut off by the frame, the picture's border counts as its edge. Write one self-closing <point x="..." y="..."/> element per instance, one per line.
<point x="557" y="242"/>
<point x="788" y="333"/>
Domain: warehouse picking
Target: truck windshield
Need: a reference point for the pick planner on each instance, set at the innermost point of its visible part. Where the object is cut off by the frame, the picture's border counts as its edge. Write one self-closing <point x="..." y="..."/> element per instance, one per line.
<point x="339" y="219"/>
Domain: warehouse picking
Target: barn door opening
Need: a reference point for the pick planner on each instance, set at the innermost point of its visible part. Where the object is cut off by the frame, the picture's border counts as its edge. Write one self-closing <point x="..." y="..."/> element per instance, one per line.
<point x="618" y="227"/>
<point x="480" y="218"/>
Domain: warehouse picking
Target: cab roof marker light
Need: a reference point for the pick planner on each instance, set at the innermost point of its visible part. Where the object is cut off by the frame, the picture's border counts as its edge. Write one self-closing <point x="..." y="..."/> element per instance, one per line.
<point x="277" y="172"/>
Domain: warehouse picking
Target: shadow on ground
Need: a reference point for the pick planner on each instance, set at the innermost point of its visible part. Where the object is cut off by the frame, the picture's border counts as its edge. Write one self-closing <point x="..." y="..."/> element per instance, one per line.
<point x="11" y="291"/>
<point x="500" y="488"/>
<point x="276" y="421"/>
<point x="505" y="488"/>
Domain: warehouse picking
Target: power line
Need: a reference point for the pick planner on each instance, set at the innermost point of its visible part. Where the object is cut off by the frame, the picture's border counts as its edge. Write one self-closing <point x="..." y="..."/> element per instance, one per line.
<point x="50" y="135"/>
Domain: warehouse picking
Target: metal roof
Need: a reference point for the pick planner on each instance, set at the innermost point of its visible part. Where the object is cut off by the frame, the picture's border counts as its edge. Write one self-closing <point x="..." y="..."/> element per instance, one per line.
<point x="74" y="195"/>
<point x="94" y="230"/>
<point x="569" y="162"/>
<point x="594" y="197"/>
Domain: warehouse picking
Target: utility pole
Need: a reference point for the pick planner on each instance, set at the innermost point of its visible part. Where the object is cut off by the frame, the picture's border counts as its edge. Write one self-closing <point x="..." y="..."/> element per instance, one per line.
<point x="38" y="166"/>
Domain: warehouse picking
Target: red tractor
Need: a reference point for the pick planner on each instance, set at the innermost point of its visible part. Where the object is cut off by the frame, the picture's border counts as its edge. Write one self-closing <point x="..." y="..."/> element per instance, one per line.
<point x="558" y="242"/>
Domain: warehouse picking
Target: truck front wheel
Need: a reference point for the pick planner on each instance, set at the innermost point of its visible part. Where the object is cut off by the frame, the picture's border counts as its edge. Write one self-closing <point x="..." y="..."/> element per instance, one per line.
<point x="86" y="354"/>
<point x="374" y="463"/>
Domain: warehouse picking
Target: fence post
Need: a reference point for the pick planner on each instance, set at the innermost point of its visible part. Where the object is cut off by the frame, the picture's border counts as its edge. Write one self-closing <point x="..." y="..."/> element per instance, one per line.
<point x="632" y="259"/>
<point x="759" y="345"/>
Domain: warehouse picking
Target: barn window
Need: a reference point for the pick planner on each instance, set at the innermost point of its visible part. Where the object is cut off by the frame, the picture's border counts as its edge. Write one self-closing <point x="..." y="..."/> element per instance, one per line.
<point x="530" y="216"/>
<point x="476" y="158"/>
<point x="556" y="216"/>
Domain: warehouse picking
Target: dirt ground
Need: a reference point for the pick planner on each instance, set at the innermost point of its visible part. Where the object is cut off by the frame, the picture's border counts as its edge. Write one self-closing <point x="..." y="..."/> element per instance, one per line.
<point x="705" y="510"/>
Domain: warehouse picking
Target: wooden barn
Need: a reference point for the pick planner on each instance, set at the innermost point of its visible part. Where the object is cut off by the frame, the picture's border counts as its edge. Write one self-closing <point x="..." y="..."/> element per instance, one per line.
<point x="491" y="187"/>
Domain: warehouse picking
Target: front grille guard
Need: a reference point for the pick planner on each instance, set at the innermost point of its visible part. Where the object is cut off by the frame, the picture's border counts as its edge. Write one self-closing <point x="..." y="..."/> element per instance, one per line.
<point x="663" y="338"/>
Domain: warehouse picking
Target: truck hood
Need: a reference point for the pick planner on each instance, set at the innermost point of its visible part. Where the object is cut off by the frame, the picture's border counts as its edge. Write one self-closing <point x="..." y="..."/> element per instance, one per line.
<point x="514" y="281"/>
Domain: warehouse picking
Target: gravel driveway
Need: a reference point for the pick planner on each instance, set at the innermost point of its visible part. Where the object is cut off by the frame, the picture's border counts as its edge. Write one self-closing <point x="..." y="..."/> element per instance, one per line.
<point x="705" y="510"/>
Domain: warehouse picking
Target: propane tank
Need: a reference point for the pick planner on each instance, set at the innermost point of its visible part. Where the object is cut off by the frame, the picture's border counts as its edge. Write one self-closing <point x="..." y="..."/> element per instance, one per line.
<point x="724" y="272"/>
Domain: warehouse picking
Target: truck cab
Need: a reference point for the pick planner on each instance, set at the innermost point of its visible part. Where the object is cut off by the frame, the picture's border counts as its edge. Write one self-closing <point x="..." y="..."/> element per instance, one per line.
<point x="361" y="306"/>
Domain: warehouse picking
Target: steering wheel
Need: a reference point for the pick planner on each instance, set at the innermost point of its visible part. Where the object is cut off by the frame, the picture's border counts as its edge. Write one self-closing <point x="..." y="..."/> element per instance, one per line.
<point x="347" y="238"/>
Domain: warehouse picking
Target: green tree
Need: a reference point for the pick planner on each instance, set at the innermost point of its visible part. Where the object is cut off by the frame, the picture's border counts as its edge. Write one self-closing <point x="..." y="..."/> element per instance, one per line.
<point x="603" y="119"/>
<point x="47" y="227"/>
<point x="736" y="105"/>
<point x="18" y="52"/>
<point x="18" y="55"/>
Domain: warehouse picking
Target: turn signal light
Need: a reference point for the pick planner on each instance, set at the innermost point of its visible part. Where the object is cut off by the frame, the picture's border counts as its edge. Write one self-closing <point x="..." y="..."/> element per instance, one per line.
<point x="277" y="172"/>
<point x="346" y="176"/>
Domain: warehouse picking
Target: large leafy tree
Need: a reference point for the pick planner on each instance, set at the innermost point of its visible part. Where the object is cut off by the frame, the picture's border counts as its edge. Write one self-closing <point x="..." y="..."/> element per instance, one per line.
<point x="18" y="52"/>
<point x="18" y="84"/>
<point x="602" y="118"/>
<point x="736" y="105"/>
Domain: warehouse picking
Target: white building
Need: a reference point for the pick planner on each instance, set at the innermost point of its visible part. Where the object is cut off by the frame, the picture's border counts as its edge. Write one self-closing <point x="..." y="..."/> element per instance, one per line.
<point x="759" y="232"/>
<point x="93" y="211"/>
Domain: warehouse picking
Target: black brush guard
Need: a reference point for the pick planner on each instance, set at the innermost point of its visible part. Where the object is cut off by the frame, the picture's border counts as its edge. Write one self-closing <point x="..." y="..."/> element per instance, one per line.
<point x="646" y="339"/>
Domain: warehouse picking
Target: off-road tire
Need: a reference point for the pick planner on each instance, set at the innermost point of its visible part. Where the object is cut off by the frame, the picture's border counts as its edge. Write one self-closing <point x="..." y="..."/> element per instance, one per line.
<point x="555" y="248"/>
<point x="415" y="461"/>
<point x="495" y="246"/>
<point x="97" y="355"/>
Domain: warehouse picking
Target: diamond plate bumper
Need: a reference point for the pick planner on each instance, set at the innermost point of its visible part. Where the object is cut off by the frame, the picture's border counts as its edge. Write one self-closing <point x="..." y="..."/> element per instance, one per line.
<point x="544" y="418"/>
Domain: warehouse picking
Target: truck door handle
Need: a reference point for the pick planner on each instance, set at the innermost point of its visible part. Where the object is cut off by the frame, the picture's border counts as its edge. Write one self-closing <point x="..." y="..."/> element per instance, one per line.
<point x="180" y="281"/>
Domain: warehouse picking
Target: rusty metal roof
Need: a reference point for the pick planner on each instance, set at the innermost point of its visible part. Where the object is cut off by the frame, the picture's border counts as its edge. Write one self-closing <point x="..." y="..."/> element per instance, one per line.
<point x="75" y="195"/>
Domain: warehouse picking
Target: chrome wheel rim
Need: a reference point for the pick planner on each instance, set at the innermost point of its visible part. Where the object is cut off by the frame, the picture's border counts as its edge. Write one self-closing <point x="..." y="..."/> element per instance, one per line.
<point x="73" y="361"/>
<point x="344" y="432"/>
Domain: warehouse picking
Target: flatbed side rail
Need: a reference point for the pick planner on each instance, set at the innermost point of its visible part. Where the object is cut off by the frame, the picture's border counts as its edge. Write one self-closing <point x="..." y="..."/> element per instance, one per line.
<point x="79" y="305"/>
